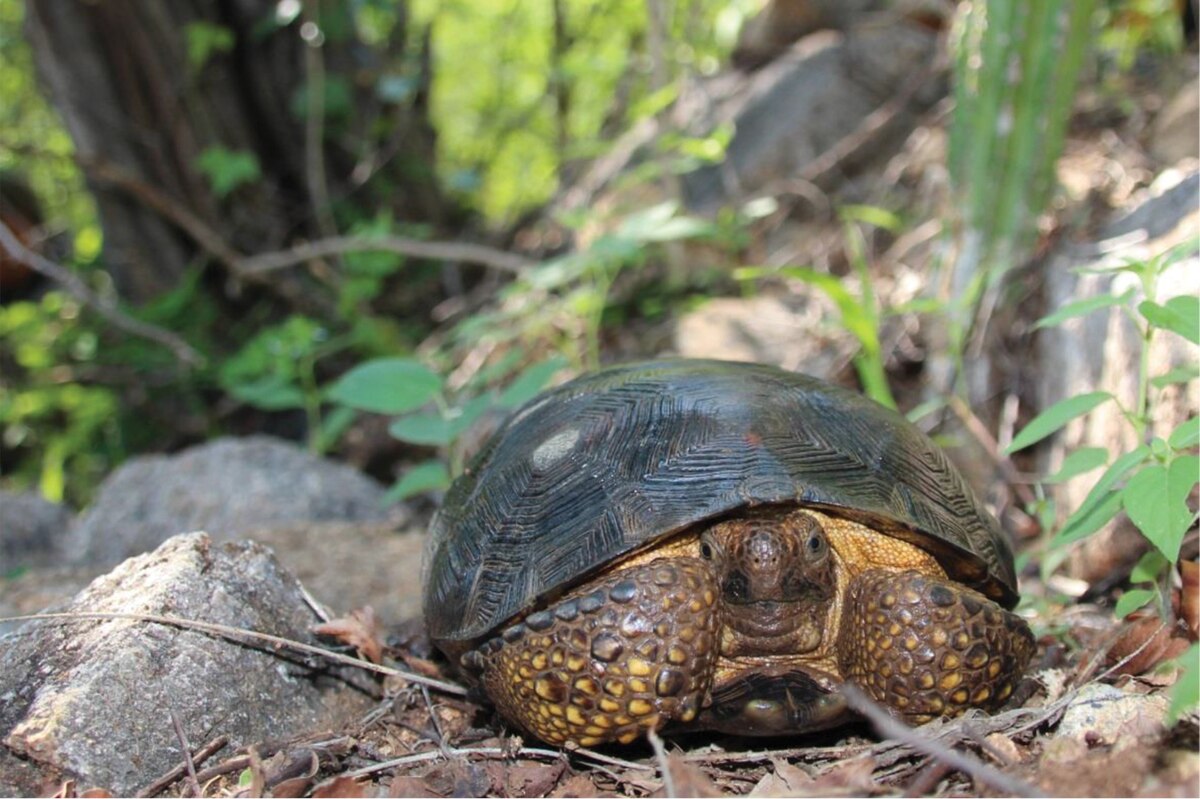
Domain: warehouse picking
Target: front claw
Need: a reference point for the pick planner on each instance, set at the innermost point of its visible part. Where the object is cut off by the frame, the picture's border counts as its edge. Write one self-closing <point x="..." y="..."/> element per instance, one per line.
<point x="927" y="647"/>
<point x="622" y="656"/>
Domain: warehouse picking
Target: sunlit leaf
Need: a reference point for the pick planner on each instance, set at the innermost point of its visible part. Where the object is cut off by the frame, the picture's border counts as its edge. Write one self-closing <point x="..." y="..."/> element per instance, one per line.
<point x="1156" y="500"/>
<point x="1133" y="599"/>
<point x="1180" y="315"/>
<point x="1102" y="503"/>
<point x="1180" y="374"/>
<point x="1079" y="462"/>
<point x="1055" y="418"/>
<point x="438" y="430"/>
<point x="530" y="382"/>
<point x="1148" y="568"/>
<point x="387" y="385"/>
<point x="1185" y="435"/>
<point x="1082" y="308"/>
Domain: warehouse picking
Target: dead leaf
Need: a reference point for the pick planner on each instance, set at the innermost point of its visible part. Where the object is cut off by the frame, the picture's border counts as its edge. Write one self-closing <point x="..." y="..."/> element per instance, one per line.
<point x="286" y="789"/>
<point x="1144" y="643"/>
<point x="577" y="785"/>
<point x="785" y="779"/>
<point x="687" y="779"/>
<point x="533" y="779"/>
<point x="343" y="786"/>
<point x="1189" y="600"/>
<point x="360" y="629"/>
<point x="460" y="778"/>
<point x="95" y="793"/>
<point x="855" y="776"/>
<point x="409" y="785"/>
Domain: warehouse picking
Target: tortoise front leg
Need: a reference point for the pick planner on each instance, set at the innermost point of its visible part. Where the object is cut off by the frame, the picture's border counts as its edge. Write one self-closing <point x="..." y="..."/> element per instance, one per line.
<point x="623" y="655"/>
<point x="929" y="647"/>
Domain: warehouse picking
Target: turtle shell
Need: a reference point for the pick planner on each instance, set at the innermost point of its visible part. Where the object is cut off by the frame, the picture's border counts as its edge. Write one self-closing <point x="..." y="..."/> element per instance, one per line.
<point x="618" y="459"/>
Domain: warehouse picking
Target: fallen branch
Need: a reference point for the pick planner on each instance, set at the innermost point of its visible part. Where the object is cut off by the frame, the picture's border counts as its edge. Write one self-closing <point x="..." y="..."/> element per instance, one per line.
<point x="242" y="636"/>
<point x="73" y="285"/>
<point x="255" y="265"/>
<point x="415" y="248"/>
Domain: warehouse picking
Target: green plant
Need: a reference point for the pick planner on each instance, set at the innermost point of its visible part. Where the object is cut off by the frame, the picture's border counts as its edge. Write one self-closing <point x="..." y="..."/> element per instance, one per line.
<point x="66" y="433"/>
<point x="276" y="370"/>
<point x="861" y="314"/>
<point x="428" y="414"/>
<point x="1015" y="72"/>
<point x="1152" y="481"/>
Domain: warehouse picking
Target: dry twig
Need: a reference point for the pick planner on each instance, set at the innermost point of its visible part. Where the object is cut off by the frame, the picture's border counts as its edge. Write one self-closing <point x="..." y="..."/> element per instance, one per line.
<point x="889" y="727"/>
<point x="73" y="285"/>
<point x="199" y="756"/>
<point x="243" y="636"/>
<point x="186" y="748"/>
<point x="415" y="248"/>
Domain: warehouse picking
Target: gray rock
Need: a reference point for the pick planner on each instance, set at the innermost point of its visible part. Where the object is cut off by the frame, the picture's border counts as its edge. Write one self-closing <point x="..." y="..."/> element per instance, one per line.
<point x="229" y="487"/>
<point x="804" y="104"/>
<point x="1108" y="715"/>
<point x="93" y="699"/>
<point x="346" y="565"/>
<point x="30" y="530"/>
<point x="764" y="329"/>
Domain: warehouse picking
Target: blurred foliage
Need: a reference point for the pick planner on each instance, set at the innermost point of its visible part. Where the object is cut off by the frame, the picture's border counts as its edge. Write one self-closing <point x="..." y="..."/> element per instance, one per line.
<point x="524" y="95"/>
<point x="503" y="142"/>
<point x="1016" y="67"/>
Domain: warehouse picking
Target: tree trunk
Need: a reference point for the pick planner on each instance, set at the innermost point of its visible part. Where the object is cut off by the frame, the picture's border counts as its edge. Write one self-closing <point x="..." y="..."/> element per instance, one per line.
<point x="142" y="111"/>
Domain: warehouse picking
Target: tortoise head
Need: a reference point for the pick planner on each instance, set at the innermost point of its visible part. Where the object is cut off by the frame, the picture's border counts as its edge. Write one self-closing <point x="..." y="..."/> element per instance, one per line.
<point x="777" y="582"/>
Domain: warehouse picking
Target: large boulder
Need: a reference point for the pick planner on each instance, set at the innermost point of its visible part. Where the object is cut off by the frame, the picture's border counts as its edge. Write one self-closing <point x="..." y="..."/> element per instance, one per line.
<point x="229" y="487"/>
<point x="93" y="699"/>
<point x="30" y="530"/>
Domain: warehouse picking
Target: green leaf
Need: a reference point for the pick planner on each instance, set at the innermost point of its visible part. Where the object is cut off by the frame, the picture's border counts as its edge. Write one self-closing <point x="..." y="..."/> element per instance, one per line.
<point x="269" y="393"/>
<point x="420" y="479"/>
<point x="1056" y="417"/>
<point x="1156" y="500"/>
<point x="871" y="215"/>
<point x="1180" y="315"/>
<point x="1185" y="695"/>
<point x="1148" y="568"/>
<point x="1086" y="521"/>
<point x="1079" y="462"/>
<point x="1185" y="435"/>
<point x="228" y="169"/>
<point x="1180" y="374"/>
<point x="436" y="430"/>
<point x="425" y="429"/>
<point x="1082" y="308"/>
<point x="203" y="40"/>
<point x="530" y="382"/>
<point x="386" y="385"/>
<point x="1133" y="599"/>
<point x="1101" y="504"/>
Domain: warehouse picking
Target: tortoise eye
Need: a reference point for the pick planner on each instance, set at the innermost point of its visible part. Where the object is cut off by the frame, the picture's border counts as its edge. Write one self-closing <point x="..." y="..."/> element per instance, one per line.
<point x="815" y="544"/>
<point x="706" y="550"/>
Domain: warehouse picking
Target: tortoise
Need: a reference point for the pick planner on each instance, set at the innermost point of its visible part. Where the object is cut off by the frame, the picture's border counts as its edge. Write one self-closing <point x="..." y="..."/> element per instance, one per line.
<point x="698" y="544"/>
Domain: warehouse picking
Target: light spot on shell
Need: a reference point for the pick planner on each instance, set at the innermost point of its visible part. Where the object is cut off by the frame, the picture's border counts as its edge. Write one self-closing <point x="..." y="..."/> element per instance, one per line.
<point x="555" y="448"/>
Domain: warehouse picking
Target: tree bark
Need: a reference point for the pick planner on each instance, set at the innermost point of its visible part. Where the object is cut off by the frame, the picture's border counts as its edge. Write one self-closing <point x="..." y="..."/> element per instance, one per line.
<point x="119" y="73"/>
